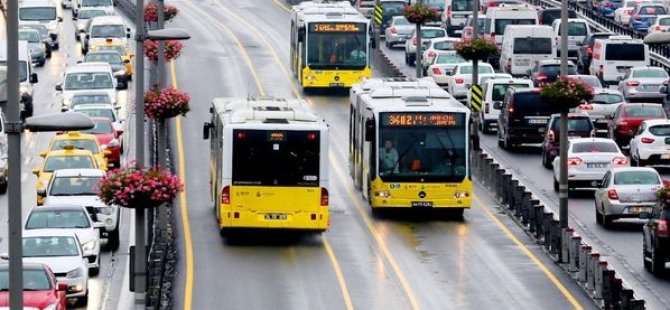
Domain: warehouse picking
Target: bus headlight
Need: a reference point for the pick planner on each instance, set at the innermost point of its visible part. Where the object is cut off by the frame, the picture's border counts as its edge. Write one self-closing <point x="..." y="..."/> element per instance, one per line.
<point x="310" y="77"/>
<point x="461" y="194"/>
<point x="382" y="194"/>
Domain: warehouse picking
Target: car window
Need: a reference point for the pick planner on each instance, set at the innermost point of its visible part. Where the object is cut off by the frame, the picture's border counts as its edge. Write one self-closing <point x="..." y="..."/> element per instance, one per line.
<point x="78" y="144"/>
<point x="108" y="31"/>
<point x="574" y="124"/>
<point x="623" y="51"/>
<point x="527" y="103"/>
<point x="502" y="23"/>
<point x="636" y="178"/>
<point x="480" y="69"/>
<point x="590" y="80"/>
<point x="84" y="99"/>
<point x="432" y="33"/>
<point x="449" y="59"/>
<point x="110" y="58"/>
<point x="444" y="45"/>
<point x="71" y="219"/>
<point x="660" y="130"/>
<point x="556" y="69"/>
<point x="100" y="127"/>
<point x="576" y="29"/>
<point x="664" y="21"/>
<point x="461" y="5"/>
<point x="594" y="147"/>
<point x="54" y="163"/>
<point x="499" y="90"/>
<point x="107" y="113"/>
<point x="37" y="13"/>
<point x="49" y="246"/>
<point x="96" y="3"/>
<point x="650" y="73"/>
<point x="644" y="111"/>
<point x="536" y="46"/>
<point x="76" y="81"/>
<point x="400" y="21"/>
<point x="117" y="48"/>
<point x="87" y="14"/>
<point x="74" y="186"/>
<point x="33" y="280"/>
<point x="30" y="36"/>
<point x="607" y="98"/>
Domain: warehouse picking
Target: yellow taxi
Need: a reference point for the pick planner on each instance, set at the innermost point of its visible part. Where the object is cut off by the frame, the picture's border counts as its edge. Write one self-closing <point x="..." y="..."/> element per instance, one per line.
<point x="122" y="49"/>
<point x="80" y="141"/>
<point x="67" y="158"/>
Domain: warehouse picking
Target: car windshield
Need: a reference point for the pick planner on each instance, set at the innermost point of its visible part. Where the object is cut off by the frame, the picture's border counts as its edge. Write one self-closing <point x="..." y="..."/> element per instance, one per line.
<point x="86" y="3"/>
<point x="460" y="5"/>
<point x="400" y="21"/>
<point x="432" y="33"/>
<point x="88" y="14"/>
<point x="30" y="36"/>
<point x="120" y="49"/>
<point x="74" y="186"/>
<point x="636" y="178"/>
<point x="650" y="73"/>
<point x="54" y="163"/>
<point x="108" y="31"/>
<point x="444" y="45"/>
<point x="555" y="70"/>
<point x="590" y="80"/>
<point x="37" y="13"/>
<point x="100" y="127"/>
<point x="607" y="98"/>
<point x="33" y="280"/>
<point x="580" y="124"/>
<point x="86" y="99"/>
<point x="624" y="51"/>
<point x="660" y="130"/>
<point x="106" y="113"/>
<point x="393" y="8"/>
<point x="449" y="59"/>
<point x="644" y="111"/>
<point x="481" y="69"/>
<point x="23" y="69"/>
<point x="439" y="4"/>
<point x="78" y="144"/>
<point x="77" y="81"/>
<point x="652" y="10"/>
<point x="42" y="29"/>
<point x="502" y="23"/>
<point x="664" y="21"/>
<point x="535" y="46"/>
<point x="594" y="147"/>
<point x="576" y="29"/>
<point x="50" y="246"/>
<point x="70" y="219"/>
<point x="499" y="90"/>
<point x="110" y="58"/>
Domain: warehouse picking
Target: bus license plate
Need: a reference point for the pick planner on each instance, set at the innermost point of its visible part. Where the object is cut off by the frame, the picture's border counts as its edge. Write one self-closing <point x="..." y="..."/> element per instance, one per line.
<point x="275" y="216"/>
<point x="640" y="209"/>
<point x="336" y="84"/>
<point x="422" y="204"/>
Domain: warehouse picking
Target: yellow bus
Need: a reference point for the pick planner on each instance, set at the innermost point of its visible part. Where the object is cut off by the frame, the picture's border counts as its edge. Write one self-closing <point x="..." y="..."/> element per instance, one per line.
<point x="268" y="164"/>
<point x="331" y="43"/>
<point x="409" y="147"/>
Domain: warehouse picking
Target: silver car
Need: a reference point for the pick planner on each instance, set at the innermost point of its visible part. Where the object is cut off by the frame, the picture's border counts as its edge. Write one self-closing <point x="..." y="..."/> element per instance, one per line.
<point x="643" y="83"/>
<point x="44" y="33"/>
<point x="604" y="103"/>
<point x="625" y="193"/>
<point x="398" y="31"/>
<point x="38" y="51"/>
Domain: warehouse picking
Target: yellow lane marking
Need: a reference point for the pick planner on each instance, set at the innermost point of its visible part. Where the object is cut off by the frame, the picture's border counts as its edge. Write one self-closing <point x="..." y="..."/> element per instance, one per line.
<point x="338" y="272"/>
<point x="532" y="256"/>
<point x="186" y="224"/>
<point x="377" y="236"/>
<point x="281" y="5"/>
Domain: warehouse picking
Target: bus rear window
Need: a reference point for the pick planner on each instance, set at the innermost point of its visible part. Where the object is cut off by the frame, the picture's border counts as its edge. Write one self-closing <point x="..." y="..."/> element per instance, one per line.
<point x="276" y="158"/>
<point x="621" y="51"/>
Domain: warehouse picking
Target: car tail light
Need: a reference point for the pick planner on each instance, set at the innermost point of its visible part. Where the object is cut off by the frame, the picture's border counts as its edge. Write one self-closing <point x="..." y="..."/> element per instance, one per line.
<point x="657" y="28"/>
<point x="611" y="194"/>
<point x="449" y="11"/>
<point x="574" y="161"/>
<point x="646" y="140"/>
<point x="541" y="77"/>
<point x="620" y="161"/>
<point x="431" y="54"/>
<point x="225" y="195"/>
<point x="394" y="30"/>
<point x="459" y="81"/>
<point x="662" y="228"/>
<point x="510" y="108"/>
<point x="607" y="5"/>
<point x="632" y="83"/>
<point x="589" y="50"/>
<point x="586" y="107"/>
<point x="437" y="71"/>
<point x="551" y="136"/>
<point x="628" y="11"/>
<point x="324" y="197"/>
<point x="468" y="31"/>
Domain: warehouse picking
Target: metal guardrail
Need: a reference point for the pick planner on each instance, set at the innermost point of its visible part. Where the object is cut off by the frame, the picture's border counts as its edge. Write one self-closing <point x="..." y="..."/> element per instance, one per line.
<point x="659" y="54"/>
<point x="564" y="246"/>
<point x="127" y="7"/>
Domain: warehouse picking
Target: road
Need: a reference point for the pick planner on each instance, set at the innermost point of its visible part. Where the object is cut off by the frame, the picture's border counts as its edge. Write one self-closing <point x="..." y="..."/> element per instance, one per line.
<point x="621" y="246"/>
<point x="402" y="261"/>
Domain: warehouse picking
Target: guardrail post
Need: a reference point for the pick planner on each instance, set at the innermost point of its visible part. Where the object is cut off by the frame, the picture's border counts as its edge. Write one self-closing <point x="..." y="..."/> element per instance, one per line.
<point x="584" y="254"/>
<point x="591" y="270"/>
<point x="617" y="286"/>
<point x="608" y="280"/>
<point x="546" y="228"/>
<point x="492" y="174"/>
<point x="482" y="163"/>
<point x="512" y="194"/>
<point x="506" y="185"/>
<point x="626" y="296"/>
<point x="566" y="238"/>
<point x="539" y="213"/>
<point x="499" y="182"/>
<point x="601" y="266"/>
<point x="575" y="243"/>
<point x="519" y="191"/>
<point x="555" y="237"/>
<point x="531" y="215"/>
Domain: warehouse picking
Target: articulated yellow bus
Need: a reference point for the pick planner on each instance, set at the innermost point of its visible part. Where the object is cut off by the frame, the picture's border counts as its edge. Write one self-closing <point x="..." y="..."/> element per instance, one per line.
<point x="331" y="43"/>
<point x="409" y="147"/>
<point x="268" y="164"/>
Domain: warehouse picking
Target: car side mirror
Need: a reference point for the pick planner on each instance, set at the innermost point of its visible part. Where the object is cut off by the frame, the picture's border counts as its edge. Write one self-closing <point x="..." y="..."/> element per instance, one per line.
<point x="609" y="116"/>
<point x="663" y="90"/>
<point x="79" y="61"/>
<point x="4" y="256"/>
<point x="60" y="19"/>
<point x="119" y="132"/>
<point x="126" y="61"/>
<point x="61" y="287"/>
<point x="33" y="78"/>
<point x="42" y="192"/>
<point x="59" y="87"/>
<point x="497" y="105"/>
<point x="644" y="215"/>
<point x="205" y="130"/>
<point x="128" y="35"/>
<point x="98" y="225"/>
<point x="43" y="154"/>
<point x="36" y="171"/>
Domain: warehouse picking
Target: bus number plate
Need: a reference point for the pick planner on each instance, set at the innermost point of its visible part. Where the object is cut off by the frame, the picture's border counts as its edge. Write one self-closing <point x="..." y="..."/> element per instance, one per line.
<point x="422" y="204"/>
<point x="336" y="85"/>
<point x="275" y="216"/>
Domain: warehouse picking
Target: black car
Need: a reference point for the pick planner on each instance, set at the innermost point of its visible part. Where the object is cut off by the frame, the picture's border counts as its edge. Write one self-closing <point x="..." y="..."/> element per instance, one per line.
<point x="548" y="70"/>
<point x="656" y="238"/>
<point x="523" y="117"/>
<point x="585" y="52"/>
<point x="548" y="15"/>
<point x="579" y="125"/>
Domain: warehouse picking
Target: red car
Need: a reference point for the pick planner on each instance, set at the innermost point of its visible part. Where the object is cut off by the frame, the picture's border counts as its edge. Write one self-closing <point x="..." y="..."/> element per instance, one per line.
<point x="40" y="289"/>
<point x="109" y="139"/>
<point x="627" y="118"/>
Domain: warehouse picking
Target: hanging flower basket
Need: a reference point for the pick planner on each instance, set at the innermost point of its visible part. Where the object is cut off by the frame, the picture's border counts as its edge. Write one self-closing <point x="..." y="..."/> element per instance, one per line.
<point x="139" y="188"/>
<point x="663" y="195"/>
<point x="420" y="14"/>
<point x="161" y="104"/>
<point x="172" y="49"/>
<point x="151" y="12"/>
<point x="477" y="49"/>
<point x="566" y="93"/>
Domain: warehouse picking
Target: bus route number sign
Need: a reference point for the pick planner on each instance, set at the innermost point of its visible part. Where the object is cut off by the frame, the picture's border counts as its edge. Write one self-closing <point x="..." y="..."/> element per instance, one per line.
<point x="336" y="27"/>
<point x="422" y="119"/>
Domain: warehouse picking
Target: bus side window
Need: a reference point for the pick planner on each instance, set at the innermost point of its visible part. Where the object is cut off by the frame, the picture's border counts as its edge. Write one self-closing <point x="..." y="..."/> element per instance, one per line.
<point x="370" y="136"/>
<point x="369" y="129"/>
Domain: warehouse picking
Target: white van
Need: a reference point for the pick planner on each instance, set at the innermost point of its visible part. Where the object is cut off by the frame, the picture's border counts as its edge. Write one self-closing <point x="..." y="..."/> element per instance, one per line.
<point x="524" y="45"/>
<point x="44" y="12"/>
<point x="578" y="30"/>
<point x="494" y="90"/>
<point x="102" y="28"/>
<point x="105" y="5"/>
<point x="497" y="19"/>
<point x="27" y="77"/>
<point x="454" y="15"/>
<point x="613" y="56"/>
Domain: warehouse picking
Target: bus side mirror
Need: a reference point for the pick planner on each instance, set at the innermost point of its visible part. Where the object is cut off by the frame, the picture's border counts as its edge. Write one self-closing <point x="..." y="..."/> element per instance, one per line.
<point x="205" y="130"/>
<point x="369" y="130"/>
<point x="301" y="34"/>
<point x="373" y="42"/>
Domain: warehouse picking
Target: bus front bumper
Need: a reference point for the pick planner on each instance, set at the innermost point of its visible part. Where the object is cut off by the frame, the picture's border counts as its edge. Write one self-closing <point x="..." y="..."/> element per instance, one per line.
<point x="334" y="78"/>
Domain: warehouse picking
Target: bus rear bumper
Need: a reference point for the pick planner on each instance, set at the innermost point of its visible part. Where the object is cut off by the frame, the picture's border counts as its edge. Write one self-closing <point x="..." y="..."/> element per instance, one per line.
<point x="309" y="221"/>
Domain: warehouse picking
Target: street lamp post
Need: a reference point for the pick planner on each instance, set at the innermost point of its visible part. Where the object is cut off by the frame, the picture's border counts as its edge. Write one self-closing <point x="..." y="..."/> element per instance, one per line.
<point x="475" y="76"/>
<point x="563" y="173"/>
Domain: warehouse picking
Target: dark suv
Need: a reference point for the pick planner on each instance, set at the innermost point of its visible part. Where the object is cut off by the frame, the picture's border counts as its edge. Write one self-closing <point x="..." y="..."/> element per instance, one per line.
<point x="547" y="16"/>
<point x="656" y="239"/>
<point x="523" y="117"/>
<point x="585" y="52"/>
<point x="547" y="71"/>
<point x="579" y="126"/>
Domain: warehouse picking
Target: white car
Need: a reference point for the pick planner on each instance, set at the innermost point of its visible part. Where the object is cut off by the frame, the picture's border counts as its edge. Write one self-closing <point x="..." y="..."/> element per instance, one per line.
<point x="86" y="77"/>
<point x="661" y="24"/>
<point x="108" y="215"/>
<point x="458" y="83"/>
<point x="625" y="193"/>
<point x="434" y="46"/>
<point x="651" y="143"/>
<point x="71" y="219"/>
<point x="427" y="33"/>
<point x="588" y="161"/>
<point x="101" y="110"/>
<point x="482" y="78"/>
<point x="61" y="251"/>
<point x="442" y="66"/>
<point x="494" y="90"/>
<point x="604" y="103"/>
<point x="622" y="14"/>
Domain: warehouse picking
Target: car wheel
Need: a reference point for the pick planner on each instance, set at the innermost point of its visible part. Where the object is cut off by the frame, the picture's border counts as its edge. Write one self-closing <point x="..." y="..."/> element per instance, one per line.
<point x="607" y="221"/>
<point x="83" y="301"/>
<point x="412" y="61"/>
<point x="599" y="218"/>
<point x="555" y="185"/>
<point x="645" y="255"/>
<point x="387" y="44"/>
<point x="657" y="262"/>
<point x="545" y="161"/>
<point x="113" y="240"/>
<point x="3" y="188"/>
<point x="94" y="271"/>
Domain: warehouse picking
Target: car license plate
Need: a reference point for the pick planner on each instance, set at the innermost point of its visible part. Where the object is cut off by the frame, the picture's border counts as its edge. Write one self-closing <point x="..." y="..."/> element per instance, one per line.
<point x="639" y="209"/>
<point x="652" y="88"/>
<point x="537" y="121"/>
<point x="422" y="204"/>
<point x="275" y="216"/>
<point x="596" y="165"/>
<point x="602" y="121"/>
<point x="621" y="69"/>
<point x="522" y="62"/>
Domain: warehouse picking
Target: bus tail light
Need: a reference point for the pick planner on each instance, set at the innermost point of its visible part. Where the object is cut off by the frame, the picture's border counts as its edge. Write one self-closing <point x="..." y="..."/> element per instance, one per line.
<point x="324" y="197"/>
<point x="225" y="195"/>
<point x="611" y="194"/>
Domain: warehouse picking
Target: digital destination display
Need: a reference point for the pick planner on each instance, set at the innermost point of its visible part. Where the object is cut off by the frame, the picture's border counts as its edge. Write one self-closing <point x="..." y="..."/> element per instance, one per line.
<point x="336" y="27"/>
<point x="276" y="136"/>
<point x="423" y="119"/>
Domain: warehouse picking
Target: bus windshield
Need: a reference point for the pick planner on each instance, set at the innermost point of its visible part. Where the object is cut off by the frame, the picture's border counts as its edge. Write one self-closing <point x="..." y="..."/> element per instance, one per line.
<point x="276" y="158"/>
<point x="337" y="46"/>
<point x="422" y="147"/>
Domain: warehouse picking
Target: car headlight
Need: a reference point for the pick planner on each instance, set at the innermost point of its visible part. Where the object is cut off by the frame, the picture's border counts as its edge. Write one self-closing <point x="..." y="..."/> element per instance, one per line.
<point x="89" y="246"/>
<point x="24" y="90"/>
<point x="120" y="72"/>
<point x="66" y="102"/>
<point x="77" y="273"/>
<point x="106" y="210"/>
<point x="53" y="306"/>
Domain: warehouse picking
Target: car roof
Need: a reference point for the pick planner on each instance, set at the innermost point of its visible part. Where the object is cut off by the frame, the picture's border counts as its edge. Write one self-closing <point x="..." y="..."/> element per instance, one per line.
<point x="107" y="20"/>
<point x="90" y="92"/>
<point x="65" y="173"/>
<point x="553" y="62"/>
<point x="29" y="30"/>
<point x="623" y="169"/>
<point x="89" y="67"/>
<point x="646" y="68"/>
<point x="59" y="207"/>
<point x="91" y="106"/>
<point x="96" y="52"/>
<point x="74" y="135"/>
<point x="591" y="139"/>
<point x="577" y="114"/>
<point x="36" y="3"/>
<point x="642" y="104"/>
<point x="48" y="233"/>
<point x="607" y="91"/>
